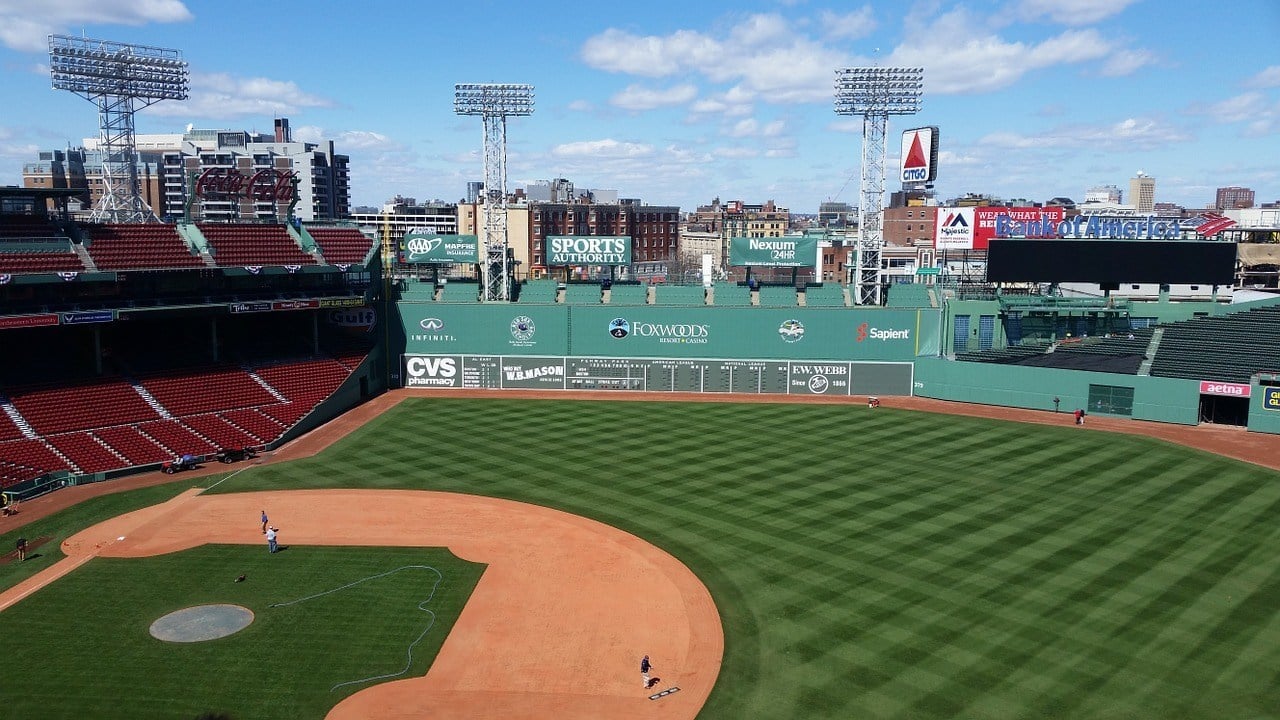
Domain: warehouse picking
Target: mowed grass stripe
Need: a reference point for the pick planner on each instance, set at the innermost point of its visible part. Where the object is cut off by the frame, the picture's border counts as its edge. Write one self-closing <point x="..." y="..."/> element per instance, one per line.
<point x="887" y="563"/>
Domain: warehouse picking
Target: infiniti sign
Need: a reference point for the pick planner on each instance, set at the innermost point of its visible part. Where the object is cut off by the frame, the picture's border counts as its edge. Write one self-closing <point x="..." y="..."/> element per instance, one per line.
<point x="433" y="324"/>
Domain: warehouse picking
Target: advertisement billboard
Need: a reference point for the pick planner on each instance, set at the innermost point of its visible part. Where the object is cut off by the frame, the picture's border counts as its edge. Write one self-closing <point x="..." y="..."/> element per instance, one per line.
<point x="920" y="155"/>
<point x="588" y="250"/>
<point x="972" y="228"/>
<point x="774" y="252"/>
<point x="433" y="248"/>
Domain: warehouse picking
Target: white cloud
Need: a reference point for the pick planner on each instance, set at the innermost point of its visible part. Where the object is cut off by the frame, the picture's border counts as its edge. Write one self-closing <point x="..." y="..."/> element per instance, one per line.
<point x="1126" y="62"/>
<point x="750" y="127"/>
<point x="986" y="62"/>
<point x="738" y="152"/>
<point x="348" y="141"/>
<point x="636" y="97"/>
<point x="1128" y="134"/>
<point x="606" y="148"/>
<point x="25" y="26"/>
<point x="581" y="106"/>
<point x="1267" y="78"/>
<point x="1259" y="113"/>
<point x="849" y="26"/>
<point x="1072" y="12"/>
<point x="219" y="95"/>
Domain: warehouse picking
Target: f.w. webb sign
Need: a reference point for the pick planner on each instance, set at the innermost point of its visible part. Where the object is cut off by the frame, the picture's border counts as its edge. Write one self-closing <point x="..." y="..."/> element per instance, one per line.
<point x="588" y="250"/>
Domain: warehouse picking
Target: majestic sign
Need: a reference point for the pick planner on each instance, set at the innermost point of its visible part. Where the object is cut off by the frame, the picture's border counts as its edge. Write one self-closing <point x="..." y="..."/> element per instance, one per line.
<point x="920" y="155"/>
<point x="263" y="185"/>
<point x="588" y="250"/>
<point x="791" y="251"/>
<point x="953" y="230"/>
<point x="972" y="228"/>
<point x="1240" y="390"/>
<point x="421" y="247"/>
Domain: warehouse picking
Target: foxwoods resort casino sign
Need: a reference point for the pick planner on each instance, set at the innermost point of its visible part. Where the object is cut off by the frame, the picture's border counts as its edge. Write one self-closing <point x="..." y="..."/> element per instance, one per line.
<point x="1090" y="226"/>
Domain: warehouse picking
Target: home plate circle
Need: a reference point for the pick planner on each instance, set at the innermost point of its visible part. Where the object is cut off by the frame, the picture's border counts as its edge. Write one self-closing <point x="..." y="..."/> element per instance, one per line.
<point x="201" y="622"/>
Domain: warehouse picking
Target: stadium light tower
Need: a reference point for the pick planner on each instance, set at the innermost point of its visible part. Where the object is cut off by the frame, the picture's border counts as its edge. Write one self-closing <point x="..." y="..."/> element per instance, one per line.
<point x="120" y="79"/>
<point x="494" y="103"/>
<point x="875" y="93"/>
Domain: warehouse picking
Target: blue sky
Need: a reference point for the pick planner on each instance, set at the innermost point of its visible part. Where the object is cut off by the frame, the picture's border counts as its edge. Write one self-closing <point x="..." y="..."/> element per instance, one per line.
<point x="680" y="102"/>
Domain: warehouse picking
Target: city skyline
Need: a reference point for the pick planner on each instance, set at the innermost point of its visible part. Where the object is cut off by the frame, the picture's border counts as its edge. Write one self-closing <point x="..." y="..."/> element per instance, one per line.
<point x="1034" y="98"/>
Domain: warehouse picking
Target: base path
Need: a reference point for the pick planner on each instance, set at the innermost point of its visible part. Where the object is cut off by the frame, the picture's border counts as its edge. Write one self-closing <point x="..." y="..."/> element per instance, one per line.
<point x="555" y="628"/>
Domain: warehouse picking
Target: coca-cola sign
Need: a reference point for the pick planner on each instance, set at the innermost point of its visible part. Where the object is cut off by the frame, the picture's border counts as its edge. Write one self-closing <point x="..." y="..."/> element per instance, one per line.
<point x="262" y="185"/>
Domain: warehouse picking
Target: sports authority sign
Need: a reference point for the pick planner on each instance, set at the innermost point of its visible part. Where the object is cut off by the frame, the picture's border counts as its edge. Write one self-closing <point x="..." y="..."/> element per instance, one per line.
<point x="920" y="155"/>
<point x="1209" y="387"/>
<point x="588" y="250"/>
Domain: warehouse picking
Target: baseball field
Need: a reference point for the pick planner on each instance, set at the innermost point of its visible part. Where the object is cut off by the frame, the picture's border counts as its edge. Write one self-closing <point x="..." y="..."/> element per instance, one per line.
<point x="864" y="564"/>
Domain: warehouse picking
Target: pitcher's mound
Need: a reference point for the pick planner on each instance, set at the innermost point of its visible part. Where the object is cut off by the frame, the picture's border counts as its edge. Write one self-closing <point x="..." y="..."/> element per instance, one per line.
<point x="201" y="622"/>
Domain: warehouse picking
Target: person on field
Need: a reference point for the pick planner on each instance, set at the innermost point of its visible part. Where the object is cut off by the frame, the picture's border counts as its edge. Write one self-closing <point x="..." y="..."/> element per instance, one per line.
<point x="271" y="539"/>
<point x="645" y="667"/>
<point x="22" y="549"/>
<point x="1079" y="416"/>
<point x="264" y="522"/>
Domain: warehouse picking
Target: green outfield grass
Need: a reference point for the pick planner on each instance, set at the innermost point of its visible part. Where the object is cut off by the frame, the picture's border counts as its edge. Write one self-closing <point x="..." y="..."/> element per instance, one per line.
<point x="890" y="564"/>
<point x="81" y="647"/>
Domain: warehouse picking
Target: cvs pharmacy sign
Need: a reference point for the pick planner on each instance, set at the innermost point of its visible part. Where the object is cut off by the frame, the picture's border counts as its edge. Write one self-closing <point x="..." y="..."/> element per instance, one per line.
<point x="424" y="371"/>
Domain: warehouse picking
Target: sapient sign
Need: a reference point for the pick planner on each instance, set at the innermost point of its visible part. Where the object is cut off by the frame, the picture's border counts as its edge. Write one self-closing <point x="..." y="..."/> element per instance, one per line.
<point x="588" y="250"/>
<point x="1091" y="226"/>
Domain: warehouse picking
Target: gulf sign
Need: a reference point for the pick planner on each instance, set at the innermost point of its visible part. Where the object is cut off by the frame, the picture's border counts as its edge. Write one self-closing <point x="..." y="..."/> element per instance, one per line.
<point x="1209" y="387"/>
<point x="971" y="228"/>
<point x="920" y="155"/>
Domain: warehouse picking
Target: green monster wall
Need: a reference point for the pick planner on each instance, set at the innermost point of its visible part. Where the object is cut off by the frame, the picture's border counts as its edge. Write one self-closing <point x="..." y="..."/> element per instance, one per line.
<point x="669" y="332"/>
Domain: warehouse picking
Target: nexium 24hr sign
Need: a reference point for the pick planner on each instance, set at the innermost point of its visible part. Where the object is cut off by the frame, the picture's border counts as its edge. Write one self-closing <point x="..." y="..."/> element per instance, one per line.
<point x="588" y="250"/>
<point x="422" y="247"/>
<point x="773" y="252"/>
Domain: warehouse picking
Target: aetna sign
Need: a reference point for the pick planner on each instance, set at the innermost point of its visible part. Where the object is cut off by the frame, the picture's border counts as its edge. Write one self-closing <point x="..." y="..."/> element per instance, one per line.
<point x="1208" y="387"/>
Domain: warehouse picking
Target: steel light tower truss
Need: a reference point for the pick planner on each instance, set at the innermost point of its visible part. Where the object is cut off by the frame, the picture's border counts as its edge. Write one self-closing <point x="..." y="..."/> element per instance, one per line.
<point x="120" y="79"/>
<point x="494" y="103"/>
<point x="875" y="93"/>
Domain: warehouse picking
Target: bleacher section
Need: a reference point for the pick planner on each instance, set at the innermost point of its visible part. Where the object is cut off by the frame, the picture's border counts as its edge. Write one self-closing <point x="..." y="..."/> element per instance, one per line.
<point x="774" y="296"/>
<point x="628" y="294"/>
<point x="105" y="424"/>
<point x="826" y="295"/>
<point x="732" y="295"/>
<point x="680" y="295"/>
<point x="207" y="390"/>
<point x="15" y="262"/>
<point x="582" y="294"/>
<point x="1122" y="355"/>
<point x="908" y="295"/>
<point x="341" y="245"/>
<point x="538" y="291"/>
<point x="19" y="225"/>
<point x="253" y="245"/>
<point x="1228" y="348"/>
<point x="460" y="292"/>
<point x="120" y="247"/>
<point x="100" y="403"/>
<point x="25" y="459"/>
<point x="137" y="449"/>
<point x="86" y="453"/>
